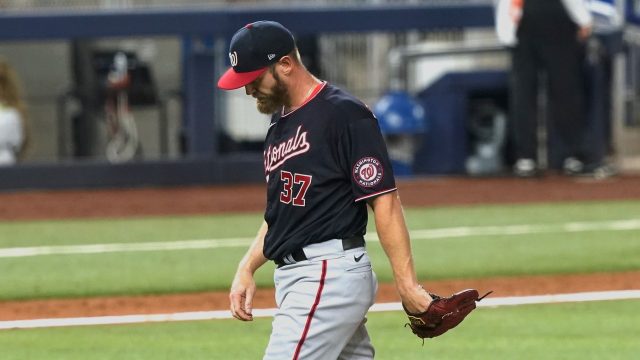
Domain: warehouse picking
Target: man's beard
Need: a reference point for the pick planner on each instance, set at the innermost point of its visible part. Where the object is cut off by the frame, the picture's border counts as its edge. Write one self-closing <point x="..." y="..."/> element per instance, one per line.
<point x="279" y="97"/>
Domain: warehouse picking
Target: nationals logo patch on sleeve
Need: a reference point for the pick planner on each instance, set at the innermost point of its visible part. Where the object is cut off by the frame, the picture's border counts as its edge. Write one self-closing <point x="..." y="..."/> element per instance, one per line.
<point x="368" y="172"/>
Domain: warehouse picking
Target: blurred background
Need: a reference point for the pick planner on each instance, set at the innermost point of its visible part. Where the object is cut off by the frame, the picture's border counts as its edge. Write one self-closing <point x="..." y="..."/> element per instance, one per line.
<point x="122" y="93"/>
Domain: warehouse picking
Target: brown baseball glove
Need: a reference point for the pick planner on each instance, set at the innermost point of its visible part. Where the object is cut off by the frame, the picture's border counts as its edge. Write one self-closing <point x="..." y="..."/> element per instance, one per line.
<point x="443" y="314"/>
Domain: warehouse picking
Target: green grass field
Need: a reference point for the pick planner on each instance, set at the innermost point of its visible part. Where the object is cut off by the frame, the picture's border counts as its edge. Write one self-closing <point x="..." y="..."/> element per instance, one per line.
<point x="153" y="272"/>
<point x="556" y="238"/>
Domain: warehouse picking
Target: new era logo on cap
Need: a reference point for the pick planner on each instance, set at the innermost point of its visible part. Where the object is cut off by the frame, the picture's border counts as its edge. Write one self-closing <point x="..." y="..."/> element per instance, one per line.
<point x="252" y="49"/>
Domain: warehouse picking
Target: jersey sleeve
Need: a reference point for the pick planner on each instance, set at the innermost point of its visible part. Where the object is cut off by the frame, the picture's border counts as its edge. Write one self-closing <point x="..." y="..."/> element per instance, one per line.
<point x="369" y="167"/>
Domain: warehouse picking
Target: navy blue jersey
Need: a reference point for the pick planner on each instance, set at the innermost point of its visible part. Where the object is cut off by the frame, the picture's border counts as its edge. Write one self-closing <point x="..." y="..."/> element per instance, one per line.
<point x="321" y="161"/>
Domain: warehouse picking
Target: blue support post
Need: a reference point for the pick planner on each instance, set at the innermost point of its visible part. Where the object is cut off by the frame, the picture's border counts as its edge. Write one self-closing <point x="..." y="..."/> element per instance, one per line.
<point x="632" y="10"/>
<point x="199" y="128"/>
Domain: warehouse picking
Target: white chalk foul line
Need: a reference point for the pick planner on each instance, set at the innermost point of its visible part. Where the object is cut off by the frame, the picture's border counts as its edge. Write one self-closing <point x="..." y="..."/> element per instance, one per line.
<point x="124" y="247"/>
<point x="442" y="233"/>
<point x="224" y="314"/>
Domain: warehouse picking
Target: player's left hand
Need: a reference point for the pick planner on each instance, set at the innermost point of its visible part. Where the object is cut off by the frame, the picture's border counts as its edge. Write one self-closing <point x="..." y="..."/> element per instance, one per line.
<point x="415" y="299"/>
<point x="443" y="313"/>
<point x="241" y="296"/>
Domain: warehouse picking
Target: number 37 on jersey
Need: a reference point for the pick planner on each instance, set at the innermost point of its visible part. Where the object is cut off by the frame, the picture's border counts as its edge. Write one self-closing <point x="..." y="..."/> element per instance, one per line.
<point x="294" y="188"/>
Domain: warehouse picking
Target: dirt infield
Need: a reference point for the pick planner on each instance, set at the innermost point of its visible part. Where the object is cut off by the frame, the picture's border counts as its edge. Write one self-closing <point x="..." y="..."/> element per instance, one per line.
<point x="264" y="298"/>
<point x="210" y="200"/>
<point x="217" y="199"/>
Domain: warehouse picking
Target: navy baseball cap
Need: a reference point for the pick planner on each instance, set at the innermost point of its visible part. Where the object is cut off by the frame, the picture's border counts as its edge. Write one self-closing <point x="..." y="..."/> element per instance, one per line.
<point x="253" y="48"/>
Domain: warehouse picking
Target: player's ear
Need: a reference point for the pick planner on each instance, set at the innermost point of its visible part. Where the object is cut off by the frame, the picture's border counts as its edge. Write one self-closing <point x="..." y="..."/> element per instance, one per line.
<point x="285" y="64"/>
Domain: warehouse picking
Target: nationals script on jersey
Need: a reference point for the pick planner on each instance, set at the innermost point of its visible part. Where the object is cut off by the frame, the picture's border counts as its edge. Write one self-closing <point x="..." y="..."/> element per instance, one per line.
<point x="320" y="162"/>
<point x="276" y="155"/>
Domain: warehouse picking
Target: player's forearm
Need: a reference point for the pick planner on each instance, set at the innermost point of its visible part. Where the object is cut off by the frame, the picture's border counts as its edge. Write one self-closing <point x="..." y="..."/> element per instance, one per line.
<point x="394" y="239"/>
<point x="254" y="258"/>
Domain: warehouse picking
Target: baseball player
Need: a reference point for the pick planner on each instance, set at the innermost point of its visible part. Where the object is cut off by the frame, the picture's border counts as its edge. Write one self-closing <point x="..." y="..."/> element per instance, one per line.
<point x="324" y="162"/>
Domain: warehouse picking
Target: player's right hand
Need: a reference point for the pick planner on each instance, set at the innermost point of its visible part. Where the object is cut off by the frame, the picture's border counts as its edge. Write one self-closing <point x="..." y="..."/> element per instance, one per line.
<point x="241" y="296"/>
<point x="584" y="32"/>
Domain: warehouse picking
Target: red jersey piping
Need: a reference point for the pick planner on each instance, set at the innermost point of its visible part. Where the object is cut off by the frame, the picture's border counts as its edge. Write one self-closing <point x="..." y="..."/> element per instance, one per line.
<point x="375" y="194"/>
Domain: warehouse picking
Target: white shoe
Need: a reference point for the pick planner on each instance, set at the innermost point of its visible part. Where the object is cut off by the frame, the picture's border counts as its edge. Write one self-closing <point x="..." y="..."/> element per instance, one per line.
<point x="572" y="166"/>
<point x="525" y="168"/>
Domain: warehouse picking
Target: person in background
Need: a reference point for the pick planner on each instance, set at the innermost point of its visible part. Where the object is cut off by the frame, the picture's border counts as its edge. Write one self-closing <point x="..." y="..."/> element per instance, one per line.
<point x="14" y="128"/>
<point x="547" y="37"/>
